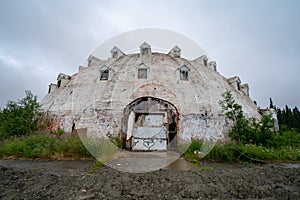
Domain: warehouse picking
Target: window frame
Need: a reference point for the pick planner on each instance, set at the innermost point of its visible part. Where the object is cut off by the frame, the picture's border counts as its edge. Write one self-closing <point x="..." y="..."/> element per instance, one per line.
<point x="184" y="74"/>
<point x="145" y="75"/>
<point x="115" y="54"/>
<point x="106" y="73"/>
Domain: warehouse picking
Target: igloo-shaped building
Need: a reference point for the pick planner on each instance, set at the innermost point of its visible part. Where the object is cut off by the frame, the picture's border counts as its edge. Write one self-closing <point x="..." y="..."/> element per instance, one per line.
<point x="153" y="101"/>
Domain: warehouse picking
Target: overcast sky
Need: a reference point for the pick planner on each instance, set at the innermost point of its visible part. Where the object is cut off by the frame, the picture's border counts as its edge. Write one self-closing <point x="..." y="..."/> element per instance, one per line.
<point x="257" y="40"/>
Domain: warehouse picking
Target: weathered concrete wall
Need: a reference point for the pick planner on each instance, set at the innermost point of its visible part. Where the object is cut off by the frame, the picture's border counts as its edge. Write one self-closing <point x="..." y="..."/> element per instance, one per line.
<point x="200" y="127"/>
<point x="98" y="105"/>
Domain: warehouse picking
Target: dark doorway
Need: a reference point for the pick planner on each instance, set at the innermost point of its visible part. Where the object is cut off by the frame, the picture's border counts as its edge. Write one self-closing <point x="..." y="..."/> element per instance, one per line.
<point x="172" y="145"/>
<point x="150" y="124"/>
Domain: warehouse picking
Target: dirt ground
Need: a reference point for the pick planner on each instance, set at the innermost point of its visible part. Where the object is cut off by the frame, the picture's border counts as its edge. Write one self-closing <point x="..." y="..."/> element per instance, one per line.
<point x="71" y="180"/>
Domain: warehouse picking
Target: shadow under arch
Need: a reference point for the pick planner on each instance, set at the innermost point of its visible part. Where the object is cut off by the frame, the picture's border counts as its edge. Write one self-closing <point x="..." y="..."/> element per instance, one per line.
<point x="150" y="124"/>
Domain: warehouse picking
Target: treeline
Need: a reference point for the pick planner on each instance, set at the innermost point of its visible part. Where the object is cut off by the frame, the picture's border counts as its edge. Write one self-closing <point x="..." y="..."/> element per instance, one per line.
<point x="287" y="118"/>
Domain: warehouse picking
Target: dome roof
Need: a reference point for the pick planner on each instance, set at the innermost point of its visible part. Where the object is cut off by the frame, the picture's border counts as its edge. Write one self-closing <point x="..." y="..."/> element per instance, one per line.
<point x="200" y="93"/>
<point x="147" y="94"/>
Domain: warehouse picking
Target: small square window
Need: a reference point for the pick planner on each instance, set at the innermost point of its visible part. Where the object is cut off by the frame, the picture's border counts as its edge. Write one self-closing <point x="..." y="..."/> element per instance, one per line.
<point x="184" y="75"/>
<point x="115" y="55"/>
<point x="142" y="73"/>
<point x="104" y="75"/>
<point x="176" y="54"/>
<point x="144" y="51"/>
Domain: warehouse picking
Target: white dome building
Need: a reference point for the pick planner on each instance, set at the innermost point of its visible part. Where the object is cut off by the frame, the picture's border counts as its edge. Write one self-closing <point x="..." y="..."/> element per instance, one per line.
<point x="153" y="101"/>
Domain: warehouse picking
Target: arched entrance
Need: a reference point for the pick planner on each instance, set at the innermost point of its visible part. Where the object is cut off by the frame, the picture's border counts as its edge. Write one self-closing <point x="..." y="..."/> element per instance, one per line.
<point x="150" y="124"/>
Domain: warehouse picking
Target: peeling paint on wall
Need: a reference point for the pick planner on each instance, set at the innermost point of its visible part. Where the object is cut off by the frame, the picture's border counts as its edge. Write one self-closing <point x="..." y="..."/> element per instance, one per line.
<point x="111" y="106"/>
<point x="201" y="127"/>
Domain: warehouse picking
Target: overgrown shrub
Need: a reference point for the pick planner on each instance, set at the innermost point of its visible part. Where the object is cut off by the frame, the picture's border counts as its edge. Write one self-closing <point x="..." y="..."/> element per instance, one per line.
<point x="19" y="118"/>
<point x="246" y="131"/>
<point x="285" y="138"/>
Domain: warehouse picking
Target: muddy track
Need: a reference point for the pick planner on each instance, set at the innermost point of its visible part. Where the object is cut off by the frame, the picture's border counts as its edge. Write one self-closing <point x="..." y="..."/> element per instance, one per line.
<point x="58" y="180"/>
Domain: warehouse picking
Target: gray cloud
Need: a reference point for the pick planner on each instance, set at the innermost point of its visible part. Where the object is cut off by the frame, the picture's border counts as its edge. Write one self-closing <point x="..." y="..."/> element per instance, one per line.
<point x="257" y="40"/>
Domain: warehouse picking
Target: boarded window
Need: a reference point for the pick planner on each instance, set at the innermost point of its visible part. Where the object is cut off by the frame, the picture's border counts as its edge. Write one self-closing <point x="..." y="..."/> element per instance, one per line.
<point x="104" y="75"/>
<point x="184" y="75"/>
<point x="142" y="73"/>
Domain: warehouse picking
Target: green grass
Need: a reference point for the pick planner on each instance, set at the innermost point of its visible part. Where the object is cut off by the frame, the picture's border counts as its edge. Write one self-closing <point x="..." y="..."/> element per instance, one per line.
<point x="284" y="153"/>
<point x="226" y="152"/>
<point x="45" y="147"/>
<point x="223" y="152"/>
<point x="189" y="153"/>
<point x="208" y="168"/>
<point x="220" y="152"/>
<point x="116" y="141"/>
<point x="96" y="166"/>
